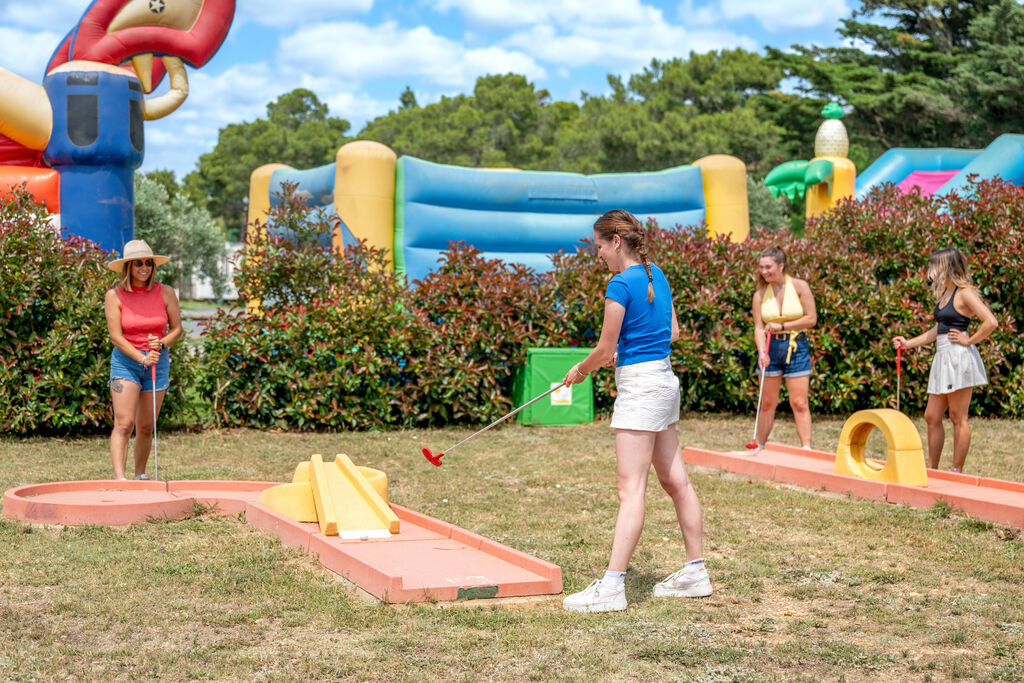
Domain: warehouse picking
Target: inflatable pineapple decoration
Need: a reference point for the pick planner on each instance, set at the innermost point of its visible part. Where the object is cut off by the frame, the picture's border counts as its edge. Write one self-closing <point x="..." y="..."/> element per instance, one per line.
<point x="831" y="139"/>
<point x="827" y="178"/>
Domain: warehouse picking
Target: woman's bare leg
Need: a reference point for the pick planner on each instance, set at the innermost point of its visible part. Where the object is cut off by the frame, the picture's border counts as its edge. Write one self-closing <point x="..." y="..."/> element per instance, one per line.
<point x="124" y="395"/>
<point x="633" y="453"/>
<point x="668" y="463"/>
<point x="959" y="406"/>
<point x="933" y="416"/>
<point x="798" y="388"/>
<point x="144" y="428"/>
<point x="766" y="414"/>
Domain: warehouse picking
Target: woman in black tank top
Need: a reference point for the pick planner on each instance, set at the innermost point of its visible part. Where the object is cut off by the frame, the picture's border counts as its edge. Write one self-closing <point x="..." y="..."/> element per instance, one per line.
<point x="948" y="318"/>
<point x="957" y="367"/>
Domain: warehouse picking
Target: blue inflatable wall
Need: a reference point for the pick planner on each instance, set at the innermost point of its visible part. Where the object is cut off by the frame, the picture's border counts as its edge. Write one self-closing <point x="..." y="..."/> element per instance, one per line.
<point x="317" y="186"/>
<point x="524" y="216"/>
<point x="899" y="162"/>
<point x="1004" y="158"/>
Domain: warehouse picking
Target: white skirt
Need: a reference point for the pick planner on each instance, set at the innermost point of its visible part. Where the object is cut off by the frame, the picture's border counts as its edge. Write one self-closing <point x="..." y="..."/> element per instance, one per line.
<point x="646" y="396"/>
<point x="955" y="367"/>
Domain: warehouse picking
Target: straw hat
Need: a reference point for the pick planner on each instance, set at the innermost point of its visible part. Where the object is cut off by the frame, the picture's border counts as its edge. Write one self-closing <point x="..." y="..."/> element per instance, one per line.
<point x="136" y="249"/>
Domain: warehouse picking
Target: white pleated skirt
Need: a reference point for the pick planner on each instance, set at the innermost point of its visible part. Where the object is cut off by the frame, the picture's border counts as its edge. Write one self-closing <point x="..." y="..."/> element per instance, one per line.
<point x="646" y="396"/>
<point x="955" y="367"/>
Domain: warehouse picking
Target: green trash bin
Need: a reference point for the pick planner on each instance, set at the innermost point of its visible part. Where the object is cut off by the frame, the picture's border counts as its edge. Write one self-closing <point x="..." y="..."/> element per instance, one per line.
<point x="545" y="368"/>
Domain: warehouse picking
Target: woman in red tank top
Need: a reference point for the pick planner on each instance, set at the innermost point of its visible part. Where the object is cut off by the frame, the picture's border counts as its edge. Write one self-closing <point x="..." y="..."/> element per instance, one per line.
<point x="143" y="319"/>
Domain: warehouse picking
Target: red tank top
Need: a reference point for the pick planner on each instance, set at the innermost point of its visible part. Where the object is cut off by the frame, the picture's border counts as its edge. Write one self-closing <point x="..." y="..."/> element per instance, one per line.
<point x="143" y="313"/>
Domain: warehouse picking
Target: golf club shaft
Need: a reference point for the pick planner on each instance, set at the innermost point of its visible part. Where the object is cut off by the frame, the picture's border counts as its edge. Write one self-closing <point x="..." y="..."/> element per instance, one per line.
<point x="757" y="412"/>
<point x="760" y="391"/>
<point x="501" y="419"/>
<point x="156" y="455"/>
<point x="898" y="378"/>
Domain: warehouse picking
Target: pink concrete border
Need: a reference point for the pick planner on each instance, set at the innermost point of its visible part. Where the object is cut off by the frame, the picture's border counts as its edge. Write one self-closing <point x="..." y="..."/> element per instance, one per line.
<point x="229" y="499"/>
<point x="993" y="500"/>
<point x="148" y="499"/>
<point x="536" y="565"/>
<point x="290" y="532"/>
<point x="138" y="502"/>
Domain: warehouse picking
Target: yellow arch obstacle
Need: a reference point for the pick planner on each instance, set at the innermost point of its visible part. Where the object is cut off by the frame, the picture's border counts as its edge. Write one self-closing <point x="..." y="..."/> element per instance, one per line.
<point x="904" y="462"/>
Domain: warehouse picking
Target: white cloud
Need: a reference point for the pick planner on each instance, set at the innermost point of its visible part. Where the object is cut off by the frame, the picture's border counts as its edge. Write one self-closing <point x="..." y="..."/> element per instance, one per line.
<point x="357" y="108"/>
<point x="41" y="15"/>
<point x="239" y="94"/>
<point x="279" y="13"/>
<point x="355" y="53"/>
<point x="708" y="15"/>
<point x="234" y="94"/>
<point x="26" y="52"/>
<point x="614" y="47"/>
<point x="618" y="35"/>
<point x="777" y="16"/>
<point x="503" y="14"/>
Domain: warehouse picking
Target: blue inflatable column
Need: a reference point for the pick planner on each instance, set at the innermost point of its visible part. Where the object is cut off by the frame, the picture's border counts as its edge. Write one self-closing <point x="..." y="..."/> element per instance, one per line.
<point x="96" y="145"/>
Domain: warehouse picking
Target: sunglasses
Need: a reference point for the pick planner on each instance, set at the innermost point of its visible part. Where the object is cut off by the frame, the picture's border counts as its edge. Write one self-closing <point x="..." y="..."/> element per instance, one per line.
<point x="143" y="262"/>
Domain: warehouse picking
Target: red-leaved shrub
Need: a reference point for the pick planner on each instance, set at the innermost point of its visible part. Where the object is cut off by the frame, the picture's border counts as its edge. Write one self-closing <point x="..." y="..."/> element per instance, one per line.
<point x="369" y="351"/>
<point x="54" y="345"/>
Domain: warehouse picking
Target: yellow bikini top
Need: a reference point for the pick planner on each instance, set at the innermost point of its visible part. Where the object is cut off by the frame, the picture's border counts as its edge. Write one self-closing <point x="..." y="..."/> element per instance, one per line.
<point x="791" y="308"/>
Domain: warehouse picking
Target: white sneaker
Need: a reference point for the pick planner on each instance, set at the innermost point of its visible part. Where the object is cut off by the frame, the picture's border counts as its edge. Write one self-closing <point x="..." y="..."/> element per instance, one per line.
<point x="596" y="598"/>
<point x="684" y="583"/>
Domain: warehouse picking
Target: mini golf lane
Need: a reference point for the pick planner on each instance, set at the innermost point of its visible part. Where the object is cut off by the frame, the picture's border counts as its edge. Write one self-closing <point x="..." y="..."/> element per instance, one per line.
<point x="428" y="560"/>
<point x="993" y="500"/>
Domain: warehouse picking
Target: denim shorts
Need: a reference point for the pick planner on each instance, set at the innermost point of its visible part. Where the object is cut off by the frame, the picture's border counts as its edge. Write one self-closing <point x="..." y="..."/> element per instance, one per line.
<point x="799" y="364"/>
<point x="122" y="366"/>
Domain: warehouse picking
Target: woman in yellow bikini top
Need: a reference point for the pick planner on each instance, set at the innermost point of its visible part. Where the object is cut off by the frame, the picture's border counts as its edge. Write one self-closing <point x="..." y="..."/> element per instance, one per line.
<point x="786" y="311"/>
<point x="783" y="307"/>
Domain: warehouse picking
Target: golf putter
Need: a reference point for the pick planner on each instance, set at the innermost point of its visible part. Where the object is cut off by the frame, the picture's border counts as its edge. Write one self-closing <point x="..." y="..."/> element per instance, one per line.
<point x="757" y="415"/>
<point x="898" y="349"/>
<point x="436" y="459"/>
<point x="156" y="455"/>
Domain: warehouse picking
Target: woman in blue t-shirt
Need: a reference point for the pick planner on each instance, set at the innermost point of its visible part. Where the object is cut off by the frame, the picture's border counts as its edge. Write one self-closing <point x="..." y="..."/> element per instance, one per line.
<point x="639" y="324"/>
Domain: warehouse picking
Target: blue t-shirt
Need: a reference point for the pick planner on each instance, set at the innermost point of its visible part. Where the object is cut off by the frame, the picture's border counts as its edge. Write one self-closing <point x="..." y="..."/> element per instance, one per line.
<point x="647" y="327"/>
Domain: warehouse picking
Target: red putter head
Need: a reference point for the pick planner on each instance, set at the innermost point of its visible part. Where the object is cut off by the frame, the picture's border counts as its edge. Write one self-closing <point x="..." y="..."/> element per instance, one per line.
<point x="434" y="459"/>
<point x="752" y="445"/>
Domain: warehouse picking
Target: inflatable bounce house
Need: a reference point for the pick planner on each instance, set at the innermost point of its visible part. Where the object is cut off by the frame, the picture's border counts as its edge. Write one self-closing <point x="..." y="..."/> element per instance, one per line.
<point x="414" y="208"/>
<point x="76" y="140"/>
<point x="830" y="176"/>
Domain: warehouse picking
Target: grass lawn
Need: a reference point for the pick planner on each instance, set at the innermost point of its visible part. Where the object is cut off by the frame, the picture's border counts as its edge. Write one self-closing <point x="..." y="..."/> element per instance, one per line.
<point x="807" y="586"/>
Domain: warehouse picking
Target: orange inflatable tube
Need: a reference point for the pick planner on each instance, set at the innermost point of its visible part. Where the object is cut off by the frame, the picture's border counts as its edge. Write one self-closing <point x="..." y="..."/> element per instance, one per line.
<point x="42" y="183"/>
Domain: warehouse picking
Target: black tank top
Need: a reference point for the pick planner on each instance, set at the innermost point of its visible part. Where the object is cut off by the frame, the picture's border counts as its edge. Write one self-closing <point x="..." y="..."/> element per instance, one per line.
<point x="948" y="318"/>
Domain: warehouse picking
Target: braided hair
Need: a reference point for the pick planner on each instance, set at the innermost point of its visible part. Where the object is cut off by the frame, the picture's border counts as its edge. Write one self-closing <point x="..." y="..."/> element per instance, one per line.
<point x="624" y="224"/>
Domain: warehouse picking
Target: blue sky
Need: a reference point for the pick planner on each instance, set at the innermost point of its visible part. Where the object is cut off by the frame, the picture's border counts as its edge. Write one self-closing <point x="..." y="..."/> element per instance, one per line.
<point x="358" y="55"/>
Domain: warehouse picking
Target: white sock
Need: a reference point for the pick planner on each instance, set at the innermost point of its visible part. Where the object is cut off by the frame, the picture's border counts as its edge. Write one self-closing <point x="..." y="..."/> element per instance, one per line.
<point x="614" y="580"/>
<point x="694" y="566"/>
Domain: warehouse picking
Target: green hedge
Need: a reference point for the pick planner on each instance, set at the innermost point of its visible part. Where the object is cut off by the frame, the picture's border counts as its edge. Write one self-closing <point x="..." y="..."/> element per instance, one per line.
<point x="54" y="346"/>
<point x="370" y="352"/>
<point x="343" y="344"/>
